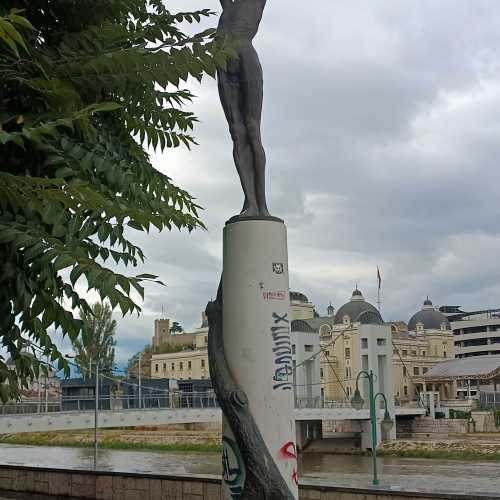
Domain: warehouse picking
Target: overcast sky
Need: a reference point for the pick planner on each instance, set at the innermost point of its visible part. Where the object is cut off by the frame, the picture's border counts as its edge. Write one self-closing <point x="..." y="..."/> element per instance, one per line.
<point x="382" y="133"/>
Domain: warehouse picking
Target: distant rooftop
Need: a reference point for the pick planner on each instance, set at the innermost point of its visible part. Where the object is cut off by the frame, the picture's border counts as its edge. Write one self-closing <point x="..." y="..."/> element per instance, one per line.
<point x="485" y="367"/>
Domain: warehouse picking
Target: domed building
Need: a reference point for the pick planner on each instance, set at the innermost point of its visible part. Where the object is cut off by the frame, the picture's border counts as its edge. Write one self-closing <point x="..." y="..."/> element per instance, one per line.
<point x="428" y="318"/>
<point x="357" y="310"/>
<point x="428" y="341"/>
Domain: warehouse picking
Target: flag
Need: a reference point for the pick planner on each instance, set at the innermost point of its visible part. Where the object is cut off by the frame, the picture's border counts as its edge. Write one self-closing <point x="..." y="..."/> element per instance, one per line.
<point x="379" y="278"/>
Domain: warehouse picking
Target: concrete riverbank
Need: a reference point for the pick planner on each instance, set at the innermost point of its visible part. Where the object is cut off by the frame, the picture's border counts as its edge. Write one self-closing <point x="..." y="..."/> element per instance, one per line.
<point x="106" y="485"/>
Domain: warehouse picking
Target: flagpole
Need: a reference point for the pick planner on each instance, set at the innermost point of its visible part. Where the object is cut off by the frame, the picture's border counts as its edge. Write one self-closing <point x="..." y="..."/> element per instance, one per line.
<point x="379" y="283"/>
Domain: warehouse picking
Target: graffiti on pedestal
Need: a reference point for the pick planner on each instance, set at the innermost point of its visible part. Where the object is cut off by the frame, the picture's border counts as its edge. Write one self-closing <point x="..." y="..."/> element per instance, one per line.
<point x="289" y="452"/>
<point x="233" y="468"/>
<point x="282" y="352"/>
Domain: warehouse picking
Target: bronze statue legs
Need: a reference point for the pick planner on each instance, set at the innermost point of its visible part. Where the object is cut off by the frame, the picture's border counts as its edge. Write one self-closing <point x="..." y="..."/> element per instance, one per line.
<point x="241" y="93"/>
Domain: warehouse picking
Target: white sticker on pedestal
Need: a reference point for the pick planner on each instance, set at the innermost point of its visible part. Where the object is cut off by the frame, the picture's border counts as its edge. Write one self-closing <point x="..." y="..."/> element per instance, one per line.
<point x="278" y="268"/>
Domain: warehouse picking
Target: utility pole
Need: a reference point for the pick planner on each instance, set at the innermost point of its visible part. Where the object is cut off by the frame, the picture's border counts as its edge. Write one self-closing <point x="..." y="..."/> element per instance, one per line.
<point x="140" y="380"/>
<point x="96" y="411"/>
<point x="47" y="386"/>
<point x="39" y="394"/>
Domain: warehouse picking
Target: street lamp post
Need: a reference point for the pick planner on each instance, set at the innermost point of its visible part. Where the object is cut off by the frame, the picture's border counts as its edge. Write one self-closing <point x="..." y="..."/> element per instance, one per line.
<point x="96" y="405"/>
<point x="140" y="380"/>
<point x="47" y="386"/>
<point x="358" y="402"/>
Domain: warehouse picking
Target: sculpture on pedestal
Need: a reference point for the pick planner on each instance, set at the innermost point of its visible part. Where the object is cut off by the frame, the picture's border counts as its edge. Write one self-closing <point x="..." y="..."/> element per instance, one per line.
<point x="250" y="367"/>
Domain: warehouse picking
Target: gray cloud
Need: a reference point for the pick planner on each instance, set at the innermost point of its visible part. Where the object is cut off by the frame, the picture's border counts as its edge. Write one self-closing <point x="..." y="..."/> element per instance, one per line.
<point x="382" y="136"/>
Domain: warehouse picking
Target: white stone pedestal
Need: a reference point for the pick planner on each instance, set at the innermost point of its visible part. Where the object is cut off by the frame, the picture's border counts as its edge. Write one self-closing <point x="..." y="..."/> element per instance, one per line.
<point x="256" y="325"/>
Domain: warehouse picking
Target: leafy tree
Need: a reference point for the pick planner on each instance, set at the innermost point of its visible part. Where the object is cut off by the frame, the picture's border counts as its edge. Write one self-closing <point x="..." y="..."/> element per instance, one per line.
<point x="97" y="340"/>
<point x="146" y="356"/>
<point x="133" y="363"/>
<point x="176" y="328"/>
<point x="85" y="87"/>
<point x="168" y="348"/>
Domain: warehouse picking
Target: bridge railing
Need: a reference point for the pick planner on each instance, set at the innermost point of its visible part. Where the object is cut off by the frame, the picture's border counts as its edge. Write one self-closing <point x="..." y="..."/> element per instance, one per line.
<point x="318" y="402"/>
<point x="171" y="400"/>
<point x="28" y="407"/>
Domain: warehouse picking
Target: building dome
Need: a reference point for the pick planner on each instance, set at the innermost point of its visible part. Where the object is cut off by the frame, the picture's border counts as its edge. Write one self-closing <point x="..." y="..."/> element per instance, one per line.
<point x="298" y="297"/>
<point x="358" y="311"/>
<point x="429" y="318"/>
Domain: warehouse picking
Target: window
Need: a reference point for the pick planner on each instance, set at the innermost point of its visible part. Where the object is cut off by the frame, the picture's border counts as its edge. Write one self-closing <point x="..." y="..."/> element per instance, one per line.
<point x="164" y="367"/>
<point x="308" y="348"/>
<point x="405" y="371"/>
<point x="321" y="372"/>
<point x="203" y="363"/>
<point x="364" y="343"/>
<point x="348" y="373"/>
<point x="347" y="352"/>
<point x="416" y="370"/>
<point x="405" y="353"/>
<point x="381" y="342"/>
<point x="348" y="390"/>
<point x="173" y="366"/>
<point x="423" y="354"/>
<point x="444" y="354"/>
<point x="293" y="349"/>
<point x="414" y="354"/>
<point x="425" y="369"/>
<point x="181" y="366"/>
<point x="189" y="365"/>
<point x="405" y="390"/>
<point x="327" y="353"/>
<point x="156" y="367"/>
<point x="394" y="351"/>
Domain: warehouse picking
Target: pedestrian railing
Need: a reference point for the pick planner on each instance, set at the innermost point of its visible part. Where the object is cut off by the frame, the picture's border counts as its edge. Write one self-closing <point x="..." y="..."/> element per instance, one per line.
<point x="318" y="402"/>
<point x="171" y="400"/>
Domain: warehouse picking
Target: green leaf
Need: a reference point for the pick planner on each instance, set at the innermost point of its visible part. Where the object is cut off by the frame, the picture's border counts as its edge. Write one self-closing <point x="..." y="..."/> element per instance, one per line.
<point x="63" y="261"/>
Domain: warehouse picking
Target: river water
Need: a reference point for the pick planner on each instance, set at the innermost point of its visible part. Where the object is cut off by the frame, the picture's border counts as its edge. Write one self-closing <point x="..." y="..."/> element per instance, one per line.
<point x="426" y="474"/>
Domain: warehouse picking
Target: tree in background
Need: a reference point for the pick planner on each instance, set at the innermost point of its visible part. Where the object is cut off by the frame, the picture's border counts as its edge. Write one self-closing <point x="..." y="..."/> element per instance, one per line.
<point x="176" y="328"/>
<point x="97" y="340"/>
<point x="85" y="87"/>
<point x="133" y="363"/>
<point x="146" y="356"/>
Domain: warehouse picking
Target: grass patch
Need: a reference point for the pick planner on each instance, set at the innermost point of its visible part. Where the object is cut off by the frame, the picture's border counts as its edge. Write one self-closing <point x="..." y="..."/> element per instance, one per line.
<point x="112" y="444"/>
<point x="441" y="454"/>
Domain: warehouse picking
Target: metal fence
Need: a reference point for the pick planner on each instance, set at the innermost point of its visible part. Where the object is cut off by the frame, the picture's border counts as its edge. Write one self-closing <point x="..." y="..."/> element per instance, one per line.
<point x="23" y="407"/>
<point x="318" y="402"/>
<point x="171" y="400"/>
<point x="489" y="400"/>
